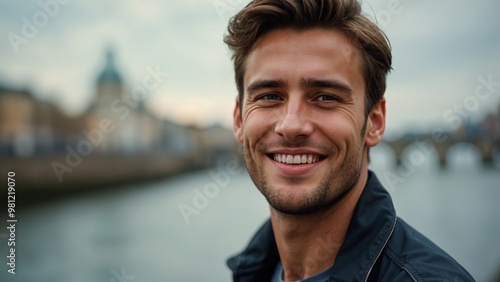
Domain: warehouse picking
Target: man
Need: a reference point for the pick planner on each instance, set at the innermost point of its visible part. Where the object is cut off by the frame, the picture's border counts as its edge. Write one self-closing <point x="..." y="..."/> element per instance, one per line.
<point x="311" y="76"/>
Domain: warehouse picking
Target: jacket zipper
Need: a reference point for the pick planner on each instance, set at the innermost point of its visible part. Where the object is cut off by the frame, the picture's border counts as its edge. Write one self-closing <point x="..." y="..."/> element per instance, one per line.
<point x="382" y="249"/>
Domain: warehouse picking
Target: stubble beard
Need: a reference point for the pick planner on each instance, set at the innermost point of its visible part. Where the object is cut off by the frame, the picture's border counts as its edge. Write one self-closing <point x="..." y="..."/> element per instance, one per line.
<point x="332" y="188"/>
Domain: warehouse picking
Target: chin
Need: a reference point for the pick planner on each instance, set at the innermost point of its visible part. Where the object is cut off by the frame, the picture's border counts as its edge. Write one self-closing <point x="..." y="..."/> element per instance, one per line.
<point x="301" y="200"/>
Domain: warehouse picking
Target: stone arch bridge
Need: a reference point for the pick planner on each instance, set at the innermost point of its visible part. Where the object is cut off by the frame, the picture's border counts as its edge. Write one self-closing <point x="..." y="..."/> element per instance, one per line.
<point x="486" y="146"/>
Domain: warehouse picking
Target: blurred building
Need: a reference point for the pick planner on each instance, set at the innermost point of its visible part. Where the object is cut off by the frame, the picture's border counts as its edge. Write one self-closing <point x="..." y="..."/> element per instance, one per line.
<point x="117" y="139"/>
<point x="135" y="129"/>
<point x="17" y="132"/>
<point x="120" y="135"/>
<point x="31" y="127"/>
<point x="115" y="123"/>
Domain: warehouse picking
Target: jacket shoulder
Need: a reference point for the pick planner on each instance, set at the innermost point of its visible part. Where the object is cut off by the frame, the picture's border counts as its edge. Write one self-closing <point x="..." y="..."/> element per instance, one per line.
<point x="410" y="256"/>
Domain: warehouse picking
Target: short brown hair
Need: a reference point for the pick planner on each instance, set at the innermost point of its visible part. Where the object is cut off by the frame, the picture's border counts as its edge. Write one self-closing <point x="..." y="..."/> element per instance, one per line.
<point x="261" y="16"/>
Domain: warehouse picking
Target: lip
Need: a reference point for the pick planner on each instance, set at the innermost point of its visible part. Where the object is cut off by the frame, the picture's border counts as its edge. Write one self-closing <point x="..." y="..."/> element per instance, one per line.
<point x="295" y="169"/>
<point x="290" y="169"/>
<point x="295" y="151"/>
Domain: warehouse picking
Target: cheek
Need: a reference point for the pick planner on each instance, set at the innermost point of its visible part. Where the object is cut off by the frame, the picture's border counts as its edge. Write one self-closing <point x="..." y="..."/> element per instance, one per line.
<point x="342" y="128"/>
<point x="256" y="123"/>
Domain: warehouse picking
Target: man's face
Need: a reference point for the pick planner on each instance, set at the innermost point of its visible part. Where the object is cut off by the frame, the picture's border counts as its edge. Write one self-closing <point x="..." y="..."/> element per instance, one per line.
<point x="302" y="120"/>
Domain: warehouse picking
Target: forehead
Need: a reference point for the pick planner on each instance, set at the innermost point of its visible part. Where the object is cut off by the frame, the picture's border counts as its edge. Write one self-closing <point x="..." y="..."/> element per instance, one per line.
<point x="317" y="52"/>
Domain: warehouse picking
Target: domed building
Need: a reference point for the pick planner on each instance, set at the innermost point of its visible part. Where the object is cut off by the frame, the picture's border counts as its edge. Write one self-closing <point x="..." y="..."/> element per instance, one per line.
<point x="113" y="115"/>
<point x="109" y="82"/>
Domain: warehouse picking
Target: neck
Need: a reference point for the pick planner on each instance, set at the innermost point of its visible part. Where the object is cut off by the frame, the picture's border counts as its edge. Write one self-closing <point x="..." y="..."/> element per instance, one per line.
<point x="308" y="244"/>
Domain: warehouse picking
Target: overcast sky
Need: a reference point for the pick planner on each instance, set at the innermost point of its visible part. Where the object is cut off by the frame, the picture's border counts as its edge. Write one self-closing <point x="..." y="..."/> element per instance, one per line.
<point x="440" y="48"/>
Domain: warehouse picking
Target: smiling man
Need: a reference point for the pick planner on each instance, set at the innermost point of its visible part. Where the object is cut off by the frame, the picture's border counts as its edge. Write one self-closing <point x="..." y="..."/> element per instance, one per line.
<point x="311" y="77"/>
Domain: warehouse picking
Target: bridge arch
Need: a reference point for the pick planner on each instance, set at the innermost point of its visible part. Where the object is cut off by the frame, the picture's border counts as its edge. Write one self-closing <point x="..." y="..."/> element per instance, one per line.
<point x="487" y="148"/>
<point x="420" y="153"/>
<point x="413" y="151"/>
<point x="464" y="154"/>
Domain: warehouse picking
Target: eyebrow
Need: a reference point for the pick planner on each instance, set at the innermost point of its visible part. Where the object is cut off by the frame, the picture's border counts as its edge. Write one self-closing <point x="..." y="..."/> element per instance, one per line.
<point x="326" y="83"/>
<point x="265" y="83"/>
<point x="305" y="82"/>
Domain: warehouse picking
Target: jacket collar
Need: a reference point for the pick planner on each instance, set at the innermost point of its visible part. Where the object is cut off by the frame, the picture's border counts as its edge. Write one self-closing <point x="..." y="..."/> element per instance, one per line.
<point x="258" y="261"/>
<point x="371" y="226"/>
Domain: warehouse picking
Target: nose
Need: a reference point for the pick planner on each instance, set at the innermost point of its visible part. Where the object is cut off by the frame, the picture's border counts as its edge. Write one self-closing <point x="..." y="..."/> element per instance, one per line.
<point x="294" y="121"/>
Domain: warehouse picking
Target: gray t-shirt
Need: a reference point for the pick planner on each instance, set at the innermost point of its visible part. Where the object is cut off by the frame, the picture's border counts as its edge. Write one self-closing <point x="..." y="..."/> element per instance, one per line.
<point x="321" y="277"/>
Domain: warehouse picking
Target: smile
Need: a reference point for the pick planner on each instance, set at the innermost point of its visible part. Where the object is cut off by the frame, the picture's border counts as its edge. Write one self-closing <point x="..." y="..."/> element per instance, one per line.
<point x="296" y="159"/>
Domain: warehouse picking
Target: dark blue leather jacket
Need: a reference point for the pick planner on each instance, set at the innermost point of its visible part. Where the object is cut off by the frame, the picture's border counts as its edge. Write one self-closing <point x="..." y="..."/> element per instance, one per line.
<point x="378" y="246"/>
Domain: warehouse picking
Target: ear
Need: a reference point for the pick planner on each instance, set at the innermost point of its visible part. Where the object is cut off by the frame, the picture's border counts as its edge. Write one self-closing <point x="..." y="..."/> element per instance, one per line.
<point x="375" y="125"/>
<point x="237" y="122"/>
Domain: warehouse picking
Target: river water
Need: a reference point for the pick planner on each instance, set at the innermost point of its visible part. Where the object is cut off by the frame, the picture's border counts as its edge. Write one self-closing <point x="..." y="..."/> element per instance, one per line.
<point x="138" y="233"/>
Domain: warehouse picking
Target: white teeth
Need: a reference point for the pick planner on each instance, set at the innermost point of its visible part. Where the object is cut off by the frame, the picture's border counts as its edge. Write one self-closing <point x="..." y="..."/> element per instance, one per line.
<point x="296" y="159"/>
